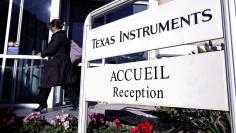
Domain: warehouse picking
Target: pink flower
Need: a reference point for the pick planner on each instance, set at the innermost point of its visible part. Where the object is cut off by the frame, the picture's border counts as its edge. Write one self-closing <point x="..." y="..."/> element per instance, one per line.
<point x="117" y="123"/>
<point x="101" y="118"/>
<point x="92" y="115"/>
<point x="11" y="121"/>
<point x="31" y="117"/>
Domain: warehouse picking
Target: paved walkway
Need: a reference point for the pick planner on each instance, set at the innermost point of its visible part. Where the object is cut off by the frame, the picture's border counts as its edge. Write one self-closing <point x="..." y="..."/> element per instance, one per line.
<point x="111" y="110"/>
<point x="50" y="114"/>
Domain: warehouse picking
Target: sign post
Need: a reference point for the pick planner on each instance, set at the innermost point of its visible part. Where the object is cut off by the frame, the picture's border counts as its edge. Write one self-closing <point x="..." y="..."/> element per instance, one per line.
<point x="229" y="30"/>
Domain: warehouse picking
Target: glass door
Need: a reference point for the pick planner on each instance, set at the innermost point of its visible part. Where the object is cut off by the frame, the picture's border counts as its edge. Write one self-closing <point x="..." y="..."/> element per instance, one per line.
<point x="24" y="32"/>
<point x="4" y="7"/>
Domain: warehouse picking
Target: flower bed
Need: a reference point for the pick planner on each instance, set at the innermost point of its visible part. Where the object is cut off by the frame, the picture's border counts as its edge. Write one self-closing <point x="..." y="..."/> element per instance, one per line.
<point x="63" y="123"/>
<point x="35" y="123"/>
<point x="169" y="120"/>
<point x="98" y="124"/>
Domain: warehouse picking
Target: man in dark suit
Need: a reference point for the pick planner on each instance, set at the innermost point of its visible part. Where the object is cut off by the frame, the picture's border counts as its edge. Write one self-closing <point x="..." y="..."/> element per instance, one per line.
<point x="58" y="70"/>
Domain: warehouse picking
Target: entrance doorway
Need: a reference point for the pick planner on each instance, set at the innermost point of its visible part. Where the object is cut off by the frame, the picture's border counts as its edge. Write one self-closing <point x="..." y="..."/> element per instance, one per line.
<point x="23" y="33"/>
<point x="74" y="13"/>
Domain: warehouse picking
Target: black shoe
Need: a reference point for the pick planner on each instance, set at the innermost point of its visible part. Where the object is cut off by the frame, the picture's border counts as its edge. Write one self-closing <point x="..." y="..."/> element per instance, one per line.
<point x="75" y="106"/>
<point x="40" y="108"/>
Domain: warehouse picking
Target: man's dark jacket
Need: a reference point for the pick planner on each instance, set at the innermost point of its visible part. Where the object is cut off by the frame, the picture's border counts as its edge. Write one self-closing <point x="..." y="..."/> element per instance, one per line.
<point x="58" y="69"/>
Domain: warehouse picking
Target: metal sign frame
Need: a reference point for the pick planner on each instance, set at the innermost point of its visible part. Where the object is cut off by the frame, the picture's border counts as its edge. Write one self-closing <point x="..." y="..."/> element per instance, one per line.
<point x="229" y="30"/>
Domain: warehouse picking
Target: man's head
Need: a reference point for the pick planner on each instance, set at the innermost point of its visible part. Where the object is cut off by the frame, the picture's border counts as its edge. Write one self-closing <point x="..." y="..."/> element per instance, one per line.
<point x="55" y="25"/>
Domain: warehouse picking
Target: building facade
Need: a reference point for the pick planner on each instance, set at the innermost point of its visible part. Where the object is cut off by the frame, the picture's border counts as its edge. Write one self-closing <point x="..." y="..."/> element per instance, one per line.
<point x="24" y="32"/>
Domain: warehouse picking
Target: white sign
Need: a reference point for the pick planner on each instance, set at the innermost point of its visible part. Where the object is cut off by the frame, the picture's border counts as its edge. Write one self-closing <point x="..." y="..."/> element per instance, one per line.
<point x="194" y="81"/>
<point x="174" y="23"/>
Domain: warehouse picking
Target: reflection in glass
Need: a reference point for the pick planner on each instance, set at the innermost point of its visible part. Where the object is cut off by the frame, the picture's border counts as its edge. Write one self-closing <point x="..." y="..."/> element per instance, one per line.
<point x="3" y="22"/>
<point x="78" y="11"/>
<point x="34" y="30"/>
<point x="21" y="80"/>
<point x="124" y="12"/>
<point x="13" y="47"/>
